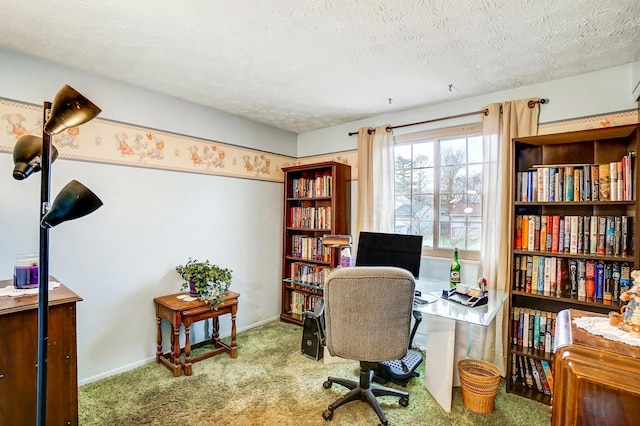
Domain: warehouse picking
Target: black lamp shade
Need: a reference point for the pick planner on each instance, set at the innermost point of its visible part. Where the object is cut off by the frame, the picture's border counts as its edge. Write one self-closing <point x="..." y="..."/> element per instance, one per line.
<point x="27" y="156"/>
<point x="74" y="201"/>
<point x="69" y="109"/>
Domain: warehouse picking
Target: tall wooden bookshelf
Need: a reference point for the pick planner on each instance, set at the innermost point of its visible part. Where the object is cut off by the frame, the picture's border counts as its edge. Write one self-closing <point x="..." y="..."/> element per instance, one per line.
<point x="559" y="208"/>
<point x="317" y="201"/>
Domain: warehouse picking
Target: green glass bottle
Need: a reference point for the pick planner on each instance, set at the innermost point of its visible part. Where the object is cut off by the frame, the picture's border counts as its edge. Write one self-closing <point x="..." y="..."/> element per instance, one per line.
<point x="454" y="272"/>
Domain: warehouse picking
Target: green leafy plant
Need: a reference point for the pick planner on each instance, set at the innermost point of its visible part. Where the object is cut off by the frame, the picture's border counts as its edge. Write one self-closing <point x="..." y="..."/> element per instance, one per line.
<point x="210" y="282"/>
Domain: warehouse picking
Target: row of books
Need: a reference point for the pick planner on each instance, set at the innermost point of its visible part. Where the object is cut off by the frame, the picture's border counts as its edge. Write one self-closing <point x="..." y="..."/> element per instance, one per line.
<point x="300" y="302"/>
<point x="532" y="373"/>
<point x="533" y="328"/>
<point x="309" y="274"/>
<point x="585" y="278"/>
<point x="309" y="248"/>
<point x="311" y="217"/>
<point x="319" y="186"/>
<point x="597" y="235"/>
<point x="578" y="182"/>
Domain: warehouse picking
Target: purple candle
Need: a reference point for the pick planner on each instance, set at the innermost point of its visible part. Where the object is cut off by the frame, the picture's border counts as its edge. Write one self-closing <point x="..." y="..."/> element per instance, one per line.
<point x="25" y="273"/>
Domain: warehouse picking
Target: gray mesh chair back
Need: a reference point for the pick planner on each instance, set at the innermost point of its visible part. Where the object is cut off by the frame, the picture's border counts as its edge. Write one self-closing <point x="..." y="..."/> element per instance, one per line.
<point x="368" y="319"/>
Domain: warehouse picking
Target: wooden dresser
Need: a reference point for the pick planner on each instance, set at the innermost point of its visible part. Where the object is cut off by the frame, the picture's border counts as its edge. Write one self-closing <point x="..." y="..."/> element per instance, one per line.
<point x="596" y="380"/>
<point x="19" y="354"/>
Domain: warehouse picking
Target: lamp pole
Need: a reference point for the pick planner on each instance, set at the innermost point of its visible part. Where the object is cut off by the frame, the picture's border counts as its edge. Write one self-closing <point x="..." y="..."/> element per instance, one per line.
<point x="43" y="276"/>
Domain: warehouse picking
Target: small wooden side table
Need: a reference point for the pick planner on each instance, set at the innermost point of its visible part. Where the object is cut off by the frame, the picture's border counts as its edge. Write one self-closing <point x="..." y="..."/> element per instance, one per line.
<point x="176" y="312"/>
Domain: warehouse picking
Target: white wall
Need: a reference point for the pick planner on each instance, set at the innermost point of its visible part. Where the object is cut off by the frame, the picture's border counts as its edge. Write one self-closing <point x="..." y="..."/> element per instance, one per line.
<point x="585" y="95"/>
<point x="123" y="255"/>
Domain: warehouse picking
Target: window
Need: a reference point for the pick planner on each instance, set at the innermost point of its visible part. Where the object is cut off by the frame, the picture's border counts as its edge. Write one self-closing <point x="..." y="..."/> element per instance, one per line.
<point x="438" y="189"/>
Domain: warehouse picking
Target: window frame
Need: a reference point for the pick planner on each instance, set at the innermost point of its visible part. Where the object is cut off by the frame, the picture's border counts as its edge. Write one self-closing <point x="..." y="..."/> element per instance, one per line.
<point x="436" y="135"/>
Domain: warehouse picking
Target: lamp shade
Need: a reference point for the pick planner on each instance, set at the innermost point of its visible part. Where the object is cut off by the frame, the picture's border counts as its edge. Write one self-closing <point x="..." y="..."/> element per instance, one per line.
<point x="27" y="156"/>
<point x="336" y="240"/>
<point x="69" y="109"/>
<point x="74" y="201"/>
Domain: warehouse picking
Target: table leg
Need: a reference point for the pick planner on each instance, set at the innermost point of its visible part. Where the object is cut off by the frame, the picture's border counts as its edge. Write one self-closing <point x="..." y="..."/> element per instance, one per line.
<point x="234" y="347"/>
<point x="175" y="350"/>
<point x="187" y="350"/>
<point x="159" y="339"/>
<point x="439" y="362"/>
<point x="215" y="338"/>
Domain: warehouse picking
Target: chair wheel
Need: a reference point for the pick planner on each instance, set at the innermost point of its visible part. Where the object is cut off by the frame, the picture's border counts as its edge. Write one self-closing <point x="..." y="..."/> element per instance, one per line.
<point x="327" y="415"/>
<point x="404" y="401"/>
<point x="327" y="384"/>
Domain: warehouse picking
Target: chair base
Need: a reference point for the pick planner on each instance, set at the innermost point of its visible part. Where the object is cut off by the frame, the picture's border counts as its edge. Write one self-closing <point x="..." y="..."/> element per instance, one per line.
<point x="363" y="391"/>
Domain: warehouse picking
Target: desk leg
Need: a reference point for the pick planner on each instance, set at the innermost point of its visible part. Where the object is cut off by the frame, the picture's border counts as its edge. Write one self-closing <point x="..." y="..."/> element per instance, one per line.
<point x="234" y="347"/>
<point x="187" y="350"/>
<point x="159" y="339"/>
<point x="439" y="362"/>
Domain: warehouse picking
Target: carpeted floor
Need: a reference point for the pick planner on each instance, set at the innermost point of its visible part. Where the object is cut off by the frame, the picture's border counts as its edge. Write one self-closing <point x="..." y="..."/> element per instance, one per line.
<point x="271" y="383"/>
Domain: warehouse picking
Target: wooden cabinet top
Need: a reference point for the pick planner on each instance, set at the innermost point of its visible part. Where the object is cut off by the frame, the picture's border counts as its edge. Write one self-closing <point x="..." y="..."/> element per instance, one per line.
<point x="568" y="333"/>
<point x="57" y="296"/>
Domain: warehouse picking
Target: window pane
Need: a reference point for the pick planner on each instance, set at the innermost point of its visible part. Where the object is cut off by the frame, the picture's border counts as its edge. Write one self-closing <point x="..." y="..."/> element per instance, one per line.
<point x="453" y="151"/>
<point x="425" y="228"/>
<point x="453" y="179"/>
<point x="423" y="181"/>
<point x="474" y="149"/>
<point x="474" y="232"/>
<point x="423" y="154"/>
<point x="402" y="180"/>
<point x="474" y="176"/>
<point x="402" y="154"/>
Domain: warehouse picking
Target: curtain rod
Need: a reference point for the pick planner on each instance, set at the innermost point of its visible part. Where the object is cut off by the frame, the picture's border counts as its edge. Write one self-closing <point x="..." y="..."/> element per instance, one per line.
<point x="485" y="111"/>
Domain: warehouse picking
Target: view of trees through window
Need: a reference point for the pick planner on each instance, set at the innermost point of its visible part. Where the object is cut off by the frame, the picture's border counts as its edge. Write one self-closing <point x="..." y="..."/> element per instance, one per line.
<point x="438" y="190"/>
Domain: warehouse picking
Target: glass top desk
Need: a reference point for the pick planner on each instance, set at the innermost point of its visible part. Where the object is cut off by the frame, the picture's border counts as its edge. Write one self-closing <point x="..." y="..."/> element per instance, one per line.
<point x="442" y="356"/>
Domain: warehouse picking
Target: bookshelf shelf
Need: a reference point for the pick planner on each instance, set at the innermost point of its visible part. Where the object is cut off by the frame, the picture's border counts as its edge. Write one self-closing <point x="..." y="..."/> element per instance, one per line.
<point x="568" y="254"/>
<point x="317" y="200"/>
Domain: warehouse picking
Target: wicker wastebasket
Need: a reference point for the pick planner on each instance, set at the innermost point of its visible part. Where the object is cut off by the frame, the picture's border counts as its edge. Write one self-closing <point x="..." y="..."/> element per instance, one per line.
<point x="479" y="381"/>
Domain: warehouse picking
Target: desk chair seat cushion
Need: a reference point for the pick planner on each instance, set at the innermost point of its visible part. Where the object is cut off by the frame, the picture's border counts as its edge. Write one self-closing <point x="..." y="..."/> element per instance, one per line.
<point x="368" y="312"/>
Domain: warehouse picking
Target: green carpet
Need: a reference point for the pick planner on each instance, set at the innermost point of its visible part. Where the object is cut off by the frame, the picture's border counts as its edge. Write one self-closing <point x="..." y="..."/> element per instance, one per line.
<point x="271" y="383"/>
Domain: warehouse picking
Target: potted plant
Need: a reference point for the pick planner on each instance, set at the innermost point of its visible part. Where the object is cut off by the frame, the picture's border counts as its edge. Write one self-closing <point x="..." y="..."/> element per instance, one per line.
<point x="207" y="281"/>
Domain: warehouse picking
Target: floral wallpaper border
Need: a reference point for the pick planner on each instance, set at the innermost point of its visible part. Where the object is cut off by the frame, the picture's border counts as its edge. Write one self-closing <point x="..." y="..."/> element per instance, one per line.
<point x="587" y="123"/>
<point x="112" y="142"/>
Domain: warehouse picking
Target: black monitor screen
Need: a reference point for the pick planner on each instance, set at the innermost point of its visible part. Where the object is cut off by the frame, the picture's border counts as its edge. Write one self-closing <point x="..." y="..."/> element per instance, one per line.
<point x="400" y="250"/>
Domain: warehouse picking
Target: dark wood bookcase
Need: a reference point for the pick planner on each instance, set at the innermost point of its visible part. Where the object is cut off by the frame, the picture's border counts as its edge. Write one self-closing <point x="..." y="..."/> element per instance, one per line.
<point x="317" y="201"/>
<point x="561" y="287"/>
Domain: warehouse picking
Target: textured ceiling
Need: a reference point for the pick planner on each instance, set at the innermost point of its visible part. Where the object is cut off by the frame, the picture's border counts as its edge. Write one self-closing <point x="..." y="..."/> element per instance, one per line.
<point x="300" y="65"/>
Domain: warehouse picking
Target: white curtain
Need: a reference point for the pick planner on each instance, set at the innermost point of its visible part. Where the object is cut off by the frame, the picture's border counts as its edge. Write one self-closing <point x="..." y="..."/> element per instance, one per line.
<point x="375" y="181"/>
<point x="517" y="119"/>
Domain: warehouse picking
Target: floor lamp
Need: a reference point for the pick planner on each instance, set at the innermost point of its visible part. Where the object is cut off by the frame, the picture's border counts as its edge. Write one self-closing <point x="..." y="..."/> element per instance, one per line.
<point x="30" y="154"/>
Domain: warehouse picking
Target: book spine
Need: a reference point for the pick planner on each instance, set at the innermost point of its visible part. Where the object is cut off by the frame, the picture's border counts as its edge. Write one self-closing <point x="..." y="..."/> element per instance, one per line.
<point x="615" y="282"/>
<point x="601" y="292"/>
<point x="595" y="183"/>
<point x="603" y="172"/>
<point x="548" y="374"/>
<point x="590" y="273"/>
<point x="546" y="388"/>
<point x="593" y="235"/>
<point x="536" y="376"/>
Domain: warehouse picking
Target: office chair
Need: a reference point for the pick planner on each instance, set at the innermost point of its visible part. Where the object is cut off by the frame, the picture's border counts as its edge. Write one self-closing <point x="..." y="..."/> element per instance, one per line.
<point x="368" y="318"/>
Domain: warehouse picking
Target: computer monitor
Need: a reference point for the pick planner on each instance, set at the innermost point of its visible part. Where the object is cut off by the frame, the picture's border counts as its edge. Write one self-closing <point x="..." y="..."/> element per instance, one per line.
<point x="380" y="249"/>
